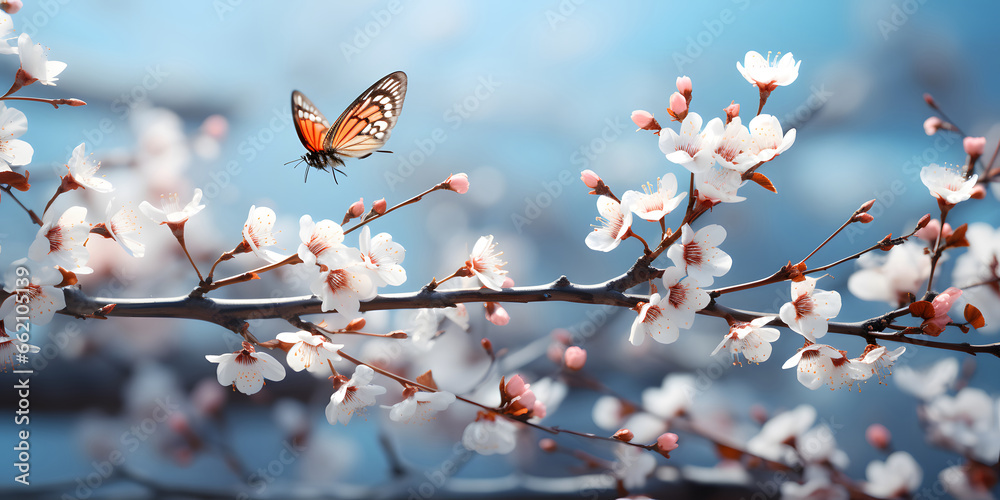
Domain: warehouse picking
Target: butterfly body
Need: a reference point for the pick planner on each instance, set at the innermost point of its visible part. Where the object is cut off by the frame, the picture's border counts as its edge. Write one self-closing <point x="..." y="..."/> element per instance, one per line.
<point x="360" y="130"/>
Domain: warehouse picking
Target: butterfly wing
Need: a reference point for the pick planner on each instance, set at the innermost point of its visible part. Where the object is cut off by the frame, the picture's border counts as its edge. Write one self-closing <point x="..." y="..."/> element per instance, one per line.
<point x="310" y="123"/>
<point x="366" y="124"/>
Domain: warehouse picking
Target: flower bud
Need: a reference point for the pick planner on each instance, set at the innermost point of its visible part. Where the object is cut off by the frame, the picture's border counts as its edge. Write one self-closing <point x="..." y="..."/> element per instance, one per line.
<point x="878" y="436"/>
<point x="974" y="146"/>
<point x="644" y="120"/>
<point x="864" y="218"/>
<point x="590" y="179"/>
<point x="496" y="314"/>
<point x="458" y="183"/>
<point x="867" y="206"/>
<point x="684" y="86"/>
<point x="929" y="100"/>
<point x="978" y="192"/>
<point x="932" y="125"/>
<point x="678" y="106"/>
<point x="624" y="435"/>
<point x="732" y="111"/>
<point x="355" y="325"/>
<point x="515" y="386"/>
<point x="357" y="209"/>
<point x="487" y="346"/>
<point x="11" y="6"/>
<point x="379" y="206"/>
<point x="575" y="358"/>
<point x="666" y="443"/>
<point x="548" y="445"/>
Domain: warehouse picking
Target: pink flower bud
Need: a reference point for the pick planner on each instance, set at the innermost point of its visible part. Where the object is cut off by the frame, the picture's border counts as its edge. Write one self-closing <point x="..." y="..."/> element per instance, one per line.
<point x="978" y="192"/>
<point x="548" y="445"/>
<point x="931" y="230"/>
<point x="878" y="436"/>
<point x="624" y="435"/>
<point x="590" y="179"/>
<point x="507" y="282"/>
<point x="538" y="410"/>
<point x="555" y="352"/>
<point x="575" y="358"/>
<point x="496" y="314"/>
<point x="684" y="85"/>
<point x="932" y="125"/>
<point x="357" y="209"/>
<point x="732" y="111"/>
<point x="11" y="6"/>
<point x="644" y="120"/>
<point x="974" y="145"/>
<point x="215" y="126"/>
<point x="515" y="386"/>
<point x="864" y="218"/>
<point x="458" y="183"/>
<point x="678" y="105"/>
<point x="379" y="206"/>
<point x="666" y="443"/>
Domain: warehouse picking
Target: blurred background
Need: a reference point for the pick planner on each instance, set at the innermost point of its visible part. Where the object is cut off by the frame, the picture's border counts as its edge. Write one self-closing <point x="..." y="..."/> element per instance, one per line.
<point x="522" y="98"/>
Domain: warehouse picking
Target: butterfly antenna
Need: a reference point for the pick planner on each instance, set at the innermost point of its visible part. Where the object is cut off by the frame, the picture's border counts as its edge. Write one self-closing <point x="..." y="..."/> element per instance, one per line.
<point x="383" y="151"/>
<point x="307" y="174"/>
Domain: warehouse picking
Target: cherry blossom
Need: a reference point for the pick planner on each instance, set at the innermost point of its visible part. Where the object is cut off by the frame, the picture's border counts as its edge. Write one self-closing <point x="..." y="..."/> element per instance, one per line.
<point x="692" y="148"/>
<point x="767" y="139"/>
<point x="7" y="26"/>
<point x="13" y="151"/>
<point x="35" y="63"/>
<point x="421" y="405"/>
<point x="616" y="223"/>
<point x="61" y="242"/>
<point x="767" y="74"/>
<point x="778" y="436"/>
<point x="817" y="486"/>
<point x="820" y="364"/>
<point x="172" y="214"/>
<point x="458" y="183"/>
<point x="876" y="360"/>
<point x="246" y="369"/>
<point x="966" y="423"/>
<point x="751" y="339"/>
<point x="947" y="184"/>
<point x="353" y="396"/>
<point x="674" y="396"/>
<point x="382" y="256"/>
<point x="310" y="352"/>
<point x="609" y="412"/>
<point x="819" y="446"/>
<point x="697" y="254"/>
<point x="719" y="184"/>
<point x="733" y="147"/>
<point x="344" y="284"/>
<point x="489" y="435"/>
<point x="662" y="317"/>
<point x="898" y="476"/>
<point x="574" y="358"/>
<point x="121" y="224"/>
<point x="44" y="299"/>
<point x="424" y="324"/>
<point x="978" y="266"/>
<point x="941" y="304"/>
<point x="967" y="482"/>
<point x="485" y="263"/>
<point x="655" y="205"/>
<point x="10" y="347"/>
<point x="633" y="467"/>
<point x="318" y="238"/>
<point x="258" y="233"/>
<point x="810" y="310"/>
<point x="928" y="383"/>
<point x="892" y="276"/>
<point x="83" y="171"/>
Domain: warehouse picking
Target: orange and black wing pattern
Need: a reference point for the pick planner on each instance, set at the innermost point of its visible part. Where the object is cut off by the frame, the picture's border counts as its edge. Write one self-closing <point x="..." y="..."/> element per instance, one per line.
<point x="310" y="123"/>
<point x="366" y="124"/>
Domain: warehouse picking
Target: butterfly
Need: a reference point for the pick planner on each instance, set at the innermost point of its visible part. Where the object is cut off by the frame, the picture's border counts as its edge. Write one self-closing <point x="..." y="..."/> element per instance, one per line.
<point x="360" y="130"/>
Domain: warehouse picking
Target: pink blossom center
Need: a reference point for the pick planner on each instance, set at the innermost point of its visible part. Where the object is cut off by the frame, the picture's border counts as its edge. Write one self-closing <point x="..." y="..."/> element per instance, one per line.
<point x="614" y="225"/>
<point x="728" y="150"/>
<point x="653" y="313"/>
<point x="678" y="295"/>
<point x="55" y="236"/>
<point x="804" y="306"/>
<point x="337" y="280"/>
<point x="244" y="358"/>
<point x="318" y="245"/>
<point x="693" y="254"/>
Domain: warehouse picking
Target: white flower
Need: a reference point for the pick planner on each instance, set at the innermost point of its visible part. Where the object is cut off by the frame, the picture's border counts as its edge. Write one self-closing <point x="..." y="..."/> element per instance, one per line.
<point x="258" y="233"/>
<point x="489" y="435"/>
<point x="697" y="254"/>
<point x="6" y="29"/>
<point x="310" y="352"/>
<point x="616" y="223"/>
<point x="36" y="63"/>
<point x="927" y="383"/>
<point x="674" y="396"/>
<point x="382" y="256"/>
<point x="733" y="147"/>
<point x="485" y="263"/>
<point x="820" y="364"/>
<point x="608" y="413"/>
<point x="889" y="278"/>
<point x="655" y="205"/>
<point x="751" y="339"/>
<point x="172" y="213"/>
<point x="767" y="139"/>
<point x="10" y="347"/>
<point x="246" y="369"/>
<point x="819" y="446"/>
<point x="121" y="225"/>
<point x="772" y="442"/>
<point x="344" y="284"/>
<point x="13" y="151"/>
<point x="878" y="361"/>
<point x="83" y="171"/>
<point x="977" y="266"/>
<point x="661" y="318"/>
<point x="692" y="148"/>
<point x="634" y="465"/>
<point x="898" y="476"/>
<point x="958" y="482"/>
<point x="61" y="242"/>
<point x="947" y="184"/>
<point x="420" y="406"/>
<point x="424" y="324"/>
<point x="719" y="184"/>
<point x="44" y="299"/>
<point x="356" y="394"/>
<point x="817" y="487"/>
<point x="966" y="423"/>
<point x="810" y="310"/>
<point x="318" y="238"/>
<point x="766" y="74"/>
